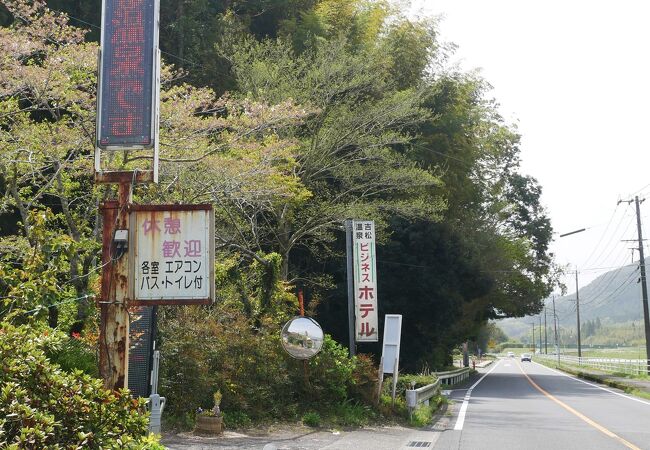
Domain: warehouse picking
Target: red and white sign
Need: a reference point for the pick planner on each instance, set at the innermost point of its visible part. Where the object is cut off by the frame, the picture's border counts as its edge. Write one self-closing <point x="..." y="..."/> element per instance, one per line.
<point x="365" y="281"/>
<point x="172" y="254"/>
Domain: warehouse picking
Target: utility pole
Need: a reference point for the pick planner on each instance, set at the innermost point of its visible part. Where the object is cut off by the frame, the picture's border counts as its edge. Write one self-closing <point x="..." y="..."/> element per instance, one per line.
<point x="644" y="287"/>
<point x="577" y="296"/>
<point x="578" y="314"/>
<point x="557" y="343"/>
<point x="533" y="337"/>
<point x="540" y="333"/>
<point x="545" y="336"/>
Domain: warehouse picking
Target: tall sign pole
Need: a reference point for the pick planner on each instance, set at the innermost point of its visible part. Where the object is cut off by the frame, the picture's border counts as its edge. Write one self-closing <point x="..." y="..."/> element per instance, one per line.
<point x="127" y="119"/>
<point x="113" y="303"/>
<point x="350" y="276"/>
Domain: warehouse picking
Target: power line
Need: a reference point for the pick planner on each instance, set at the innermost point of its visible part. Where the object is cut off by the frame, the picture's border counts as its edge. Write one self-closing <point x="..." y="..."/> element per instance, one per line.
<point x="622" y="255"/>
<point x="601" y="290"/>
<point x="71" y="300"/>
<point x="613" y="238"/>
<point x="602" y="236"/>
<point x="609" y="295"/>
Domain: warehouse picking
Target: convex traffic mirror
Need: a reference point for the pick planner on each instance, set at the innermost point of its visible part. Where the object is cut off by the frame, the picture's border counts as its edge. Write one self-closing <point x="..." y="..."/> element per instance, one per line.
<point x="302" y="337"/>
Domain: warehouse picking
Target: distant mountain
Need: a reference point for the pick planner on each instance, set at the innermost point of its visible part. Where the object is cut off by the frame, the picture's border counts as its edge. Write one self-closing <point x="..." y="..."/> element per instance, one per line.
<point x="614" y="297"/>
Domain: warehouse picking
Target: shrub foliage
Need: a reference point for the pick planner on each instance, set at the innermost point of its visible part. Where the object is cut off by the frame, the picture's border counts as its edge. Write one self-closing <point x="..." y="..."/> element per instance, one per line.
<point x="258" y="380"/>
<point x="41" y="406"/>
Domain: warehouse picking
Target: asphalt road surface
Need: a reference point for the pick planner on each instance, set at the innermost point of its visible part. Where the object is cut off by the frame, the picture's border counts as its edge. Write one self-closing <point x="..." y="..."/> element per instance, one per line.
<point x="528" y="406"/>
<point x="512" y="405"/>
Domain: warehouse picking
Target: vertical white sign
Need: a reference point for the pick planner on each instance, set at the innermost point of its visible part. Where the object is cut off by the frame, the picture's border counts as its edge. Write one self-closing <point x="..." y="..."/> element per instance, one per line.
<point x="392" y="337"/>
<point x="365" y="281"/>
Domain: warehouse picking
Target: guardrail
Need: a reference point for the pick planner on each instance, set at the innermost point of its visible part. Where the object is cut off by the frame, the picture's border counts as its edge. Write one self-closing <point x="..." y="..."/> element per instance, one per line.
<point x="628" y="366"/>
<point x="421" y="395"/>
<point x="453" y="376"/>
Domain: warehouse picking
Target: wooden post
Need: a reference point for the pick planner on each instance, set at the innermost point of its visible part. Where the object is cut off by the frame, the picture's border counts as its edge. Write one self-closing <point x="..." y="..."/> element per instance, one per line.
<point x="114" y="325"/>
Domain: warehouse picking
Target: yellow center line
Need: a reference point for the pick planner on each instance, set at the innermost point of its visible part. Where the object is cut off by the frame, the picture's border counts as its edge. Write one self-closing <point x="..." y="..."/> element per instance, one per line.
<point x="597" y="426"/>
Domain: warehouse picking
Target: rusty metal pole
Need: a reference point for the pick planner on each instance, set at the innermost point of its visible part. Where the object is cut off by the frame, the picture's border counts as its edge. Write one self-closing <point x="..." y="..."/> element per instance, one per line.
<point x="114" y="325"/>
<point x="301" y="303"/>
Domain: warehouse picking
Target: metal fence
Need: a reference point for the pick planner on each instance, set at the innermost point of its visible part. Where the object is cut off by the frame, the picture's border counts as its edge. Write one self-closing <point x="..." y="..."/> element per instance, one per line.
<point x="627" y="366"/>
<point x="453" y="376"/>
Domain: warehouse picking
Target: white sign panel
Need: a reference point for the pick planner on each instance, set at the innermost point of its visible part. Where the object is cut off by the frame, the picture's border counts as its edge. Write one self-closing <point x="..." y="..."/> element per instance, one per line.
<point x="365" y="281"/>
<point x="392" y="336"/>
<point x="173" y="254"/>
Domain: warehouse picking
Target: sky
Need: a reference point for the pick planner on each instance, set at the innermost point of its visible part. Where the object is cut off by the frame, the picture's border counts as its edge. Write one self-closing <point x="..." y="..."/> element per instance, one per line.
<point x="574" y="77"/>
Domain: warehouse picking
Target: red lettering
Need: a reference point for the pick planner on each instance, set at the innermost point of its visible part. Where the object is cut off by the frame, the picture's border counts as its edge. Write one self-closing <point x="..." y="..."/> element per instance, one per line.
<point x="366" y="330"/>
<point x="365" y="293"/>
<point x="365" y="309"/>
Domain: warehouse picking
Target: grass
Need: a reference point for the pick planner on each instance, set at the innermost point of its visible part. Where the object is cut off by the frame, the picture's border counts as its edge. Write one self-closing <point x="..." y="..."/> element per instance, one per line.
<point x="422" y="415"/>
<point x="353" y="414"/>
<point x="576" y="371"/>
<point x="614" y="353"/>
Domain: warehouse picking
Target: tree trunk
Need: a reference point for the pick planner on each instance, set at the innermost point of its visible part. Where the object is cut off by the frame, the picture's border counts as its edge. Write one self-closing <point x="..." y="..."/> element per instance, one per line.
<point x="53" y="316"/>
<point x="284" y="242"/>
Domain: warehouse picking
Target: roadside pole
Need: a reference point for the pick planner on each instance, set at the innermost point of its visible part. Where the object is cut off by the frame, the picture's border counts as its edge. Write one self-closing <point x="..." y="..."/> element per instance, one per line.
<point x="114" y="314"/>
<point x="540" y="334"/>
<point x="557" y="343"/>
<point x="644" y="286"/>
<point x="578" y="314"/>
<point x="127" y="119"/>
<point x="533" y="342"/>
<point x="350" y="276"/>
<point x="545" y="328"/>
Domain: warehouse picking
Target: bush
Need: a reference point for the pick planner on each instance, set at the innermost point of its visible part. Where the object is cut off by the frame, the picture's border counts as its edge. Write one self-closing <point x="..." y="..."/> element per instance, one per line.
<point x="405" y="382"/>
<point x="236" y="419"/>
<point x="353" y="414"/>
<point x="75" y="353"/>
<point x="246" y="362"/>
<point x="42" y="406"/>
<point x="311" y="419"/>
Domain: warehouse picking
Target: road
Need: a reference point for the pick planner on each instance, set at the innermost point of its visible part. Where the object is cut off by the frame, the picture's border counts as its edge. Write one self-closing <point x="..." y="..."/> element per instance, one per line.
<point x="526" y="405"/>
<point x="513" y="405"/>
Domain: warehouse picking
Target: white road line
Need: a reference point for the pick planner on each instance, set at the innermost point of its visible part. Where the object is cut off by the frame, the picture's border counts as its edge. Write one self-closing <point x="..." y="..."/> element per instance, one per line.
<point x="463" y="409"/>
<point x="595" y="385"/>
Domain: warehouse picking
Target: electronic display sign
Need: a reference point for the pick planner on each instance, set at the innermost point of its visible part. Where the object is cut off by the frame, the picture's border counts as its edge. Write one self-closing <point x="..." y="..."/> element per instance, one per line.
<point x="141" y="336"/>
<point x="127" y="73"/>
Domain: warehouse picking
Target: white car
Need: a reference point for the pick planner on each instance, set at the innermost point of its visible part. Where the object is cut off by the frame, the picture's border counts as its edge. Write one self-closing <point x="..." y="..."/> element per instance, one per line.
<point x="511" y="355"/>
